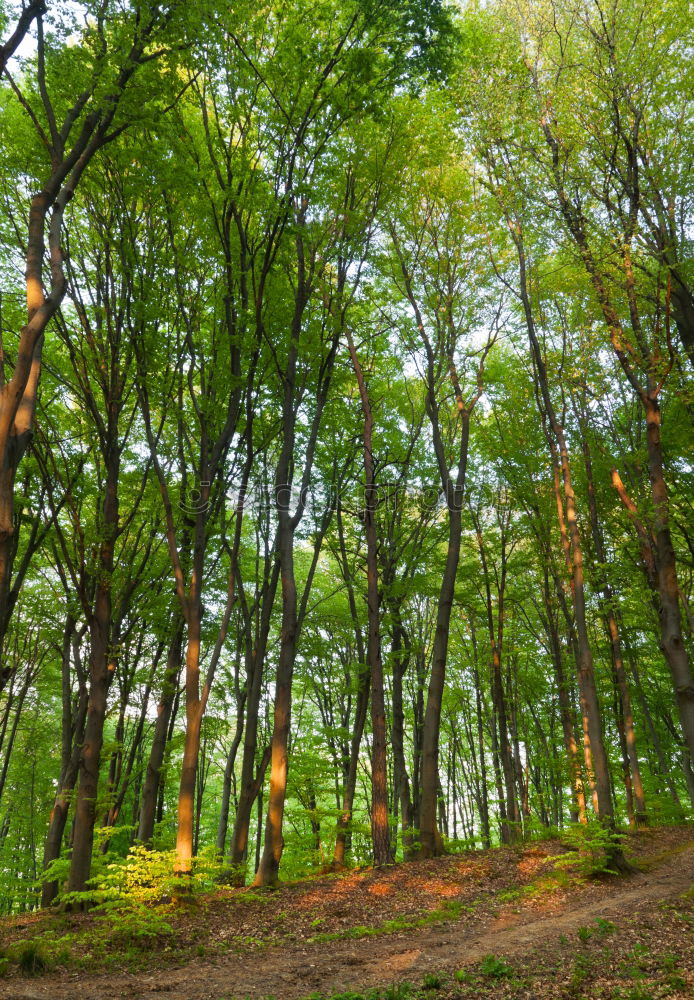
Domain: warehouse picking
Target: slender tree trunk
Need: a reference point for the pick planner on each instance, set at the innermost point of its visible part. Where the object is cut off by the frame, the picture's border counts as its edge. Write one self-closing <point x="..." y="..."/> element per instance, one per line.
<point x="102" y="667"/>
<point x="350" y="770"/>
<point x="663" y="767"/>
<point x="484" y="798"/>
<point x="345" y="818"/>
<point x="401" y="778"/>
<point x="223" y="824"/>
<point x="430" y="838"/>
<point x="511" y="826"/>
<point x="255" y="659"/>
<point x="150" y="788"/>
<point x="18" y="704"/>
<point x="625" y="720"/>
<point x="360" y="710"/>
<point x="671" y="641"/>
<point x="380" y="832"/>
<point x="268" y="870"/>
<point x="584" y="663"/>
<point x="566" y="715"/>
<point x="417" y="726"/>
<point x="650" y="361"/>
<point x="438" y="353"/>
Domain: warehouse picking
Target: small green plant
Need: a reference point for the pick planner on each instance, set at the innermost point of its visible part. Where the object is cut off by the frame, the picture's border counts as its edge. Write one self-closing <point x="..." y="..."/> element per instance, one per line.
<point x="579" y="973"/>
<point x="463" y="976"/>
<point x="602" y="929"/>
<point x="589" y="849"/>
<point x="668" y="961"/>
<point x="639" y="993"/>
<point x="633" y="966"/>
<point x="32" y="957"/>
<point x="432" y="981"/>
<point x="495" y="968"/>
<point x="398" y="991"/>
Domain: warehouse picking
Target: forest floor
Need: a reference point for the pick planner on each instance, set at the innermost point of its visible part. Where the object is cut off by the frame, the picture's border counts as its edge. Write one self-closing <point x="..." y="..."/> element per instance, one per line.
<point x="504" y="923"/>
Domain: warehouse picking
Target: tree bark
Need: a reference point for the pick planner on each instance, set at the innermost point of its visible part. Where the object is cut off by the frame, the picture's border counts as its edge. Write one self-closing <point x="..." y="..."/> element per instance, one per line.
<point x="102" y="667"/>
<point x="584" y="661"/>
<point x="380" y="831"/>
<point x="625" y="719"/>
<point x="150" y="788"/>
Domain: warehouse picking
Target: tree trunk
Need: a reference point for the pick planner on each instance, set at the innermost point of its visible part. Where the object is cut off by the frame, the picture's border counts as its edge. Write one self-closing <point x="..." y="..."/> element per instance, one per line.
<point x="625" y="719"/>
<point x="191" y="746"/>
<point x="255" y="659"/>
<point x="380" y="832"/>
<point x="150" y="788"/>
<point x="565" y="711"/>
<point x="223" y="824"/>
<point x="401" y="777"/>
<point x="511" y="826"/>
<point x="671" y="641"/>
<point x="345" y="818"/>
<point x="268" y="870"/>
<point x="584" y="657"/>
<point x="102" y="667"/>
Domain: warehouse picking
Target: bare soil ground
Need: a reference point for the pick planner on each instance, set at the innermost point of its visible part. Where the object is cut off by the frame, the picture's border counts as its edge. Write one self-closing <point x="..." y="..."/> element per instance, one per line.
<point x="553" y="936"/>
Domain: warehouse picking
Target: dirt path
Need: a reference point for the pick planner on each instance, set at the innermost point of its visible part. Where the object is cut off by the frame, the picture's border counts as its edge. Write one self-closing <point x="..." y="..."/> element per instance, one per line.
<point x="291" y="972"/>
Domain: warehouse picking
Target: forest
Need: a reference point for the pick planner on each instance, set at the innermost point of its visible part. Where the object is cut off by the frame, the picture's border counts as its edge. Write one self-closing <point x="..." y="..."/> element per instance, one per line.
<point x="346" y="452"/>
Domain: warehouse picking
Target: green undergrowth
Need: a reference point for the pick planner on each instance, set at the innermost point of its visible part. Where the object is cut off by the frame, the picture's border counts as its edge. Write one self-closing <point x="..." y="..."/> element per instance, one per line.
<point x="451" y="910"/>
<point x="589" y="848"/>
<point x="139" y="916"/>
<point x="599" y="961"/>
<point x="637" y="975"/>
<point x="487" y="973"/>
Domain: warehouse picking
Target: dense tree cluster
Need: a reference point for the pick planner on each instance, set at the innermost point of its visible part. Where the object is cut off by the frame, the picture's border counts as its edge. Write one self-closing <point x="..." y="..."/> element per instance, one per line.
<point x="345" y="430"/>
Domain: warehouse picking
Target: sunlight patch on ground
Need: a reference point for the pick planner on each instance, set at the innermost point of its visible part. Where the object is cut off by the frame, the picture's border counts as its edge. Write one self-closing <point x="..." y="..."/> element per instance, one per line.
<point x="397" y="963"/>
<point x="380" y="890"/>
<point x="527" y="866"/>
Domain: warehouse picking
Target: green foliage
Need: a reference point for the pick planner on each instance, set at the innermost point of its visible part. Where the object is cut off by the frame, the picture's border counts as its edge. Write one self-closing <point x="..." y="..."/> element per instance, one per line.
<point x="589" y="849"/>
<point x="31" y="957"/>
<point x="133" y="894"/>
<point x="463" y="976"/>
<point x="432" y="981"/>
<point x="495" y="968"/>
<point x="262" y="189"/>
<point x="580" y="970"/>
<point x="398" y="991"/>
<point x="451" y="909"/>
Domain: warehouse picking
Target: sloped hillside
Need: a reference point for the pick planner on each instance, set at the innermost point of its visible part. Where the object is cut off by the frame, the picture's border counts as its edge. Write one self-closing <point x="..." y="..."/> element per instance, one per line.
<point x="500" y="923"/>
